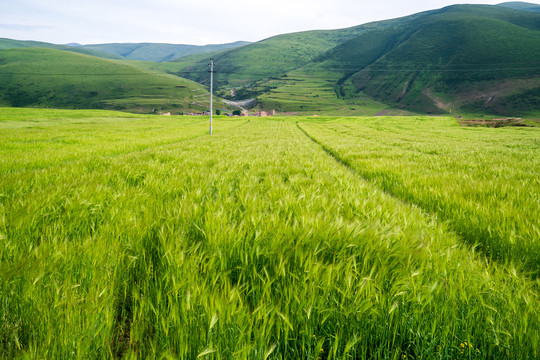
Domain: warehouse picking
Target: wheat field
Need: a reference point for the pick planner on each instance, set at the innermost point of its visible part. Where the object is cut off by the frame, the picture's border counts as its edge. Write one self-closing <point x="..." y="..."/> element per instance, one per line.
<point x="128" y="236"/>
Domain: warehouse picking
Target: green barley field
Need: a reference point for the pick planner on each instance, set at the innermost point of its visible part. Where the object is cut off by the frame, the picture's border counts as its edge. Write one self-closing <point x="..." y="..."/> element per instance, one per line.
<point x="136" y="237"/>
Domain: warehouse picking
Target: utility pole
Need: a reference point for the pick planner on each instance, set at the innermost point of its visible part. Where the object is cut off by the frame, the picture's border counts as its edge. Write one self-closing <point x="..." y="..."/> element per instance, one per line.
<point x="211" y="90"/>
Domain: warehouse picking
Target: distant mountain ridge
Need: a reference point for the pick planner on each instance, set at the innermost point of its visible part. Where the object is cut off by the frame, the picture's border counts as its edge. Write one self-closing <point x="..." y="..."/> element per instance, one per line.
<point x="159" y="52"/>
<point x="519" y="5"/>
<point x="19" y="44"/>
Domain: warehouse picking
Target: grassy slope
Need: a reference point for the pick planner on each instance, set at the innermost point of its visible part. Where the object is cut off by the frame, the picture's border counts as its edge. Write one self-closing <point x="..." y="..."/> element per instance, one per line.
<point x="158" y="52"/>
<point x="477" y="58"/>
<point x="45" y="77"/>
<point x="271" y="57"/>
<point x="247" y="69"/>
<point x="183" y="64"/>
<point x="317" y="86"/>
<point x="267" y="58"/>
<point x="142" y="237"/>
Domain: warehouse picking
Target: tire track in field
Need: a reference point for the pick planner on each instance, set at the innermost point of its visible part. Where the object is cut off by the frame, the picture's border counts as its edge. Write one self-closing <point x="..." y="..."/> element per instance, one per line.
<point x="528" y="271"/>
<point x="343" y="162"/>
<point x="333" y="154"/>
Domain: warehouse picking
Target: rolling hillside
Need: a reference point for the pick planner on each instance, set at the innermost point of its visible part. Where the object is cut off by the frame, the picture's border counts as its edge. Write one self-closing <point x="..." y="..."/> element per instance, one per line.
<point x="478" y="59"/>
<point x="464" y="59"/>
<point x="40" y="77"/>
<point x="272" y="57"/>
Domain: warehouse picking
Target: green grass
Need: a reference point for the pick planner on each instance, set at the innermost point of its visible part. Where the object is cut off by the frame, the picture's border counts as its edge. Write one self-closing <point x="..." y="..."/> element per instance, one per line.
<point x="166" y="67"/>
<point x="129" y="236"/>
<point x="38" y="77"/>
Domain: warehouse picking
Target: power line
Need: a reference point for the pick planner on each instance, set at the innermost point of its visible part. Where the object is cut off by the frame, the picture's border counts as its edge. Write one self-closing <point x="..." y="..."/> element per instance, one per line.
<point x="462" y="67"/>
<point x="74" y="74"/>
<point x="285" y="78"/>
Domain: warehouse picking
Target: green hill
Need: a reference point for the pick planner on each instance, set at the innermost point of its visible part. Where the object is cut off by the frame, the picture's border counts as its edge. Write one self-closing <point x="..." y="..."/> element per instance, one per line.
<point x="40" y="77"/>
<point x="274" y="56"/>
<point x="245" y="66"/>
<point x="478" y="59"/>
<point x="20" y="44"/>
<point x="158" y="52"/>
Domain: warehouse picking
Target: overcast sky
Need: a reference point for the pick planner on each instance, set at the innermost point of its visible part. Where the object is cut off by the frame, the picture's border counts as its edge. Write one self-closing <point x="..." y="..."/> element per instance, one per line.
<point x="196" y="22"/>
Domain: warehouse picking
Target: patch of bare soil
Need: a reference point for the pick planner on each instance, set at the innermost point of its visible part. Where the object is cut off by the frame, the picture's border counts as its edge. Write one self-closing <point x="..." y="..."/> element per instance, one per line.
<point x="382" y="113"/>
<point x="494" y="123"/>
<point x="490" y="91"/>
<point x="436" y="100"/>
